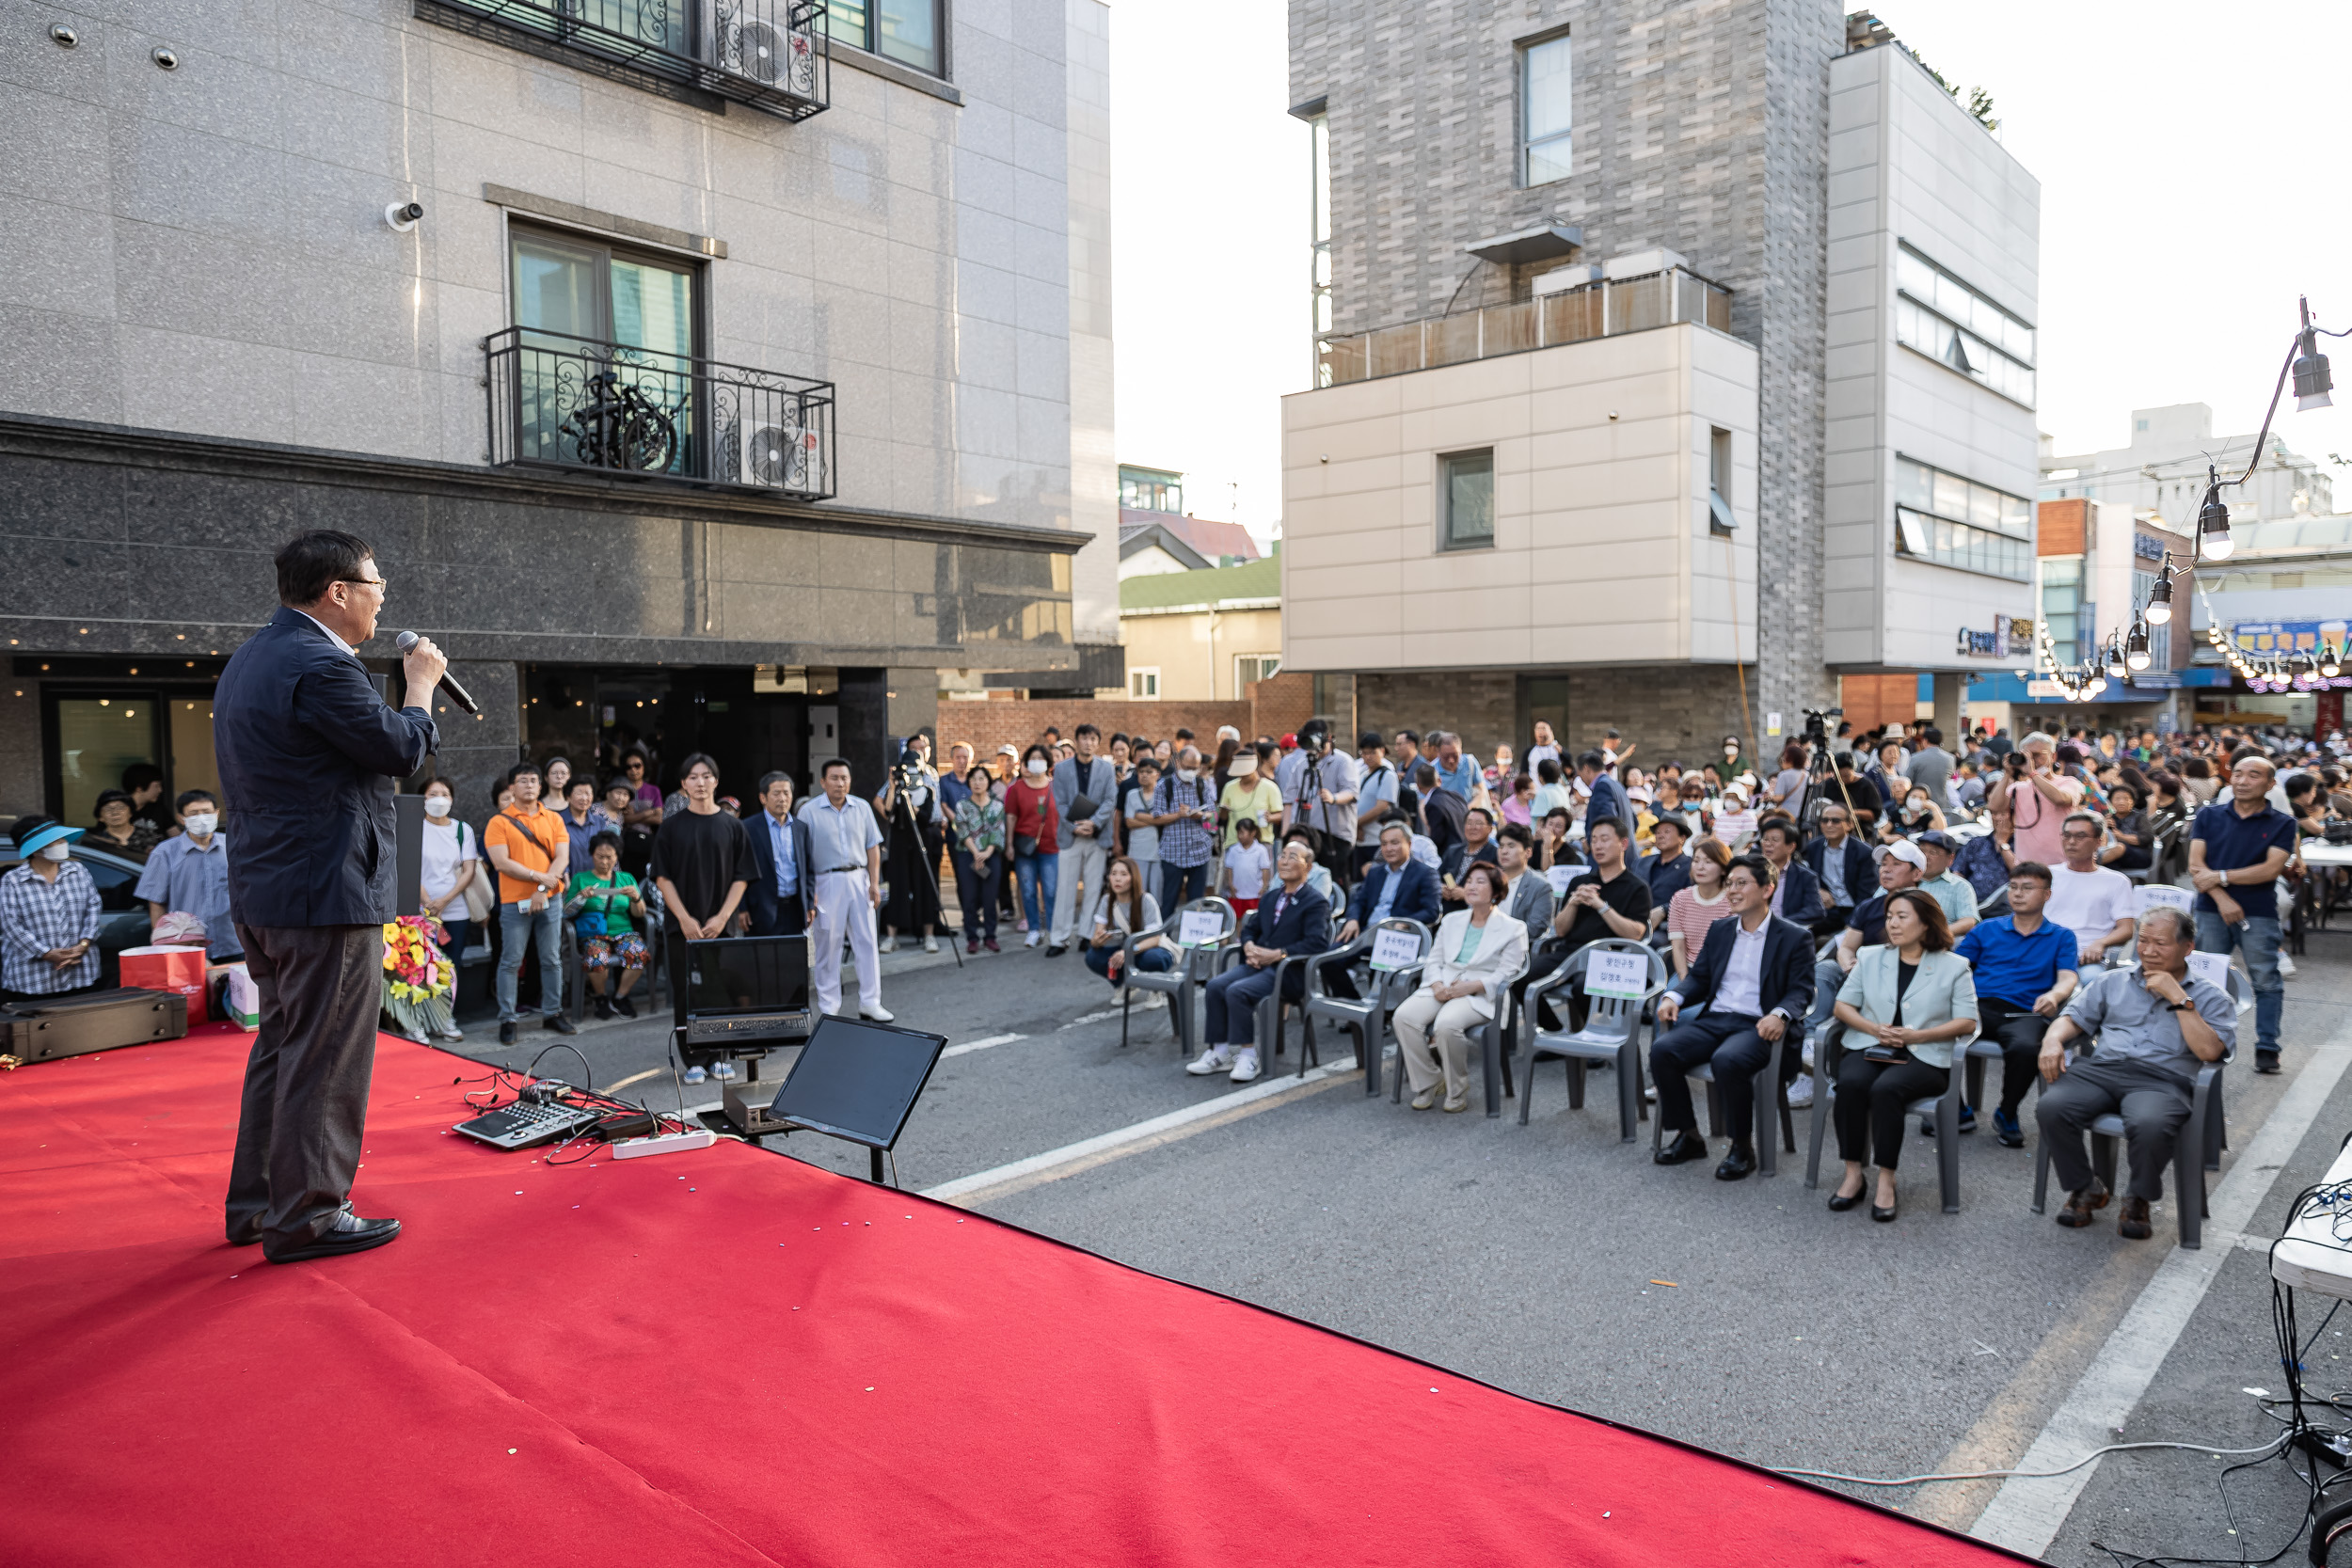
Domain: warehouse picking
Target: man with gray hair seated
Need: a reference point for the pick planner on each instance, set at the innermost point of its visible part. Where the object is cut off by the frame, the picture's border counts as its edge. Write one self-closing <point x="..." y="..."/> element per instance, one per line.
<point x="2155" y="1025"/>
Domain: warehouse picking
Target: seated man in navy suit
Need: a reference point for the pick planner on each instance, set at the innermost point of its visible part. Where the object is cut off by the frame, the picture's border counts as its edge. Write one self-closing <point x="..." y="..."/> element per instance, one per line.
<point x="1755" y="975"/>
<point x="1292" y="921"/>
<point x="1394" y="886"/>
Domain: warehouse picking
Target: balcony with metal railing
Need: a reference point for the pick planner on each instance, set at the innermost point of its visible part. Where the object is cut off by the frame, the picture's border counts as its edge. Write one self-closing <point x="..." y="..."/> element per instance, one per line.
<point x="767" y="54"/>
<point x="1602" y="309"/>
<point x="562" y="401"/>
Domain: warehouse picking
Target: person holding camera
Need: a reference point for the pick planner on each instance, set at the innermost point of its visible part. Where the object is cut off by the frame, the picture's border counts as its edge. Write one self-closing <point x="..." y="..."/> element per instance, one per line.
<point x="1321" y="800"/>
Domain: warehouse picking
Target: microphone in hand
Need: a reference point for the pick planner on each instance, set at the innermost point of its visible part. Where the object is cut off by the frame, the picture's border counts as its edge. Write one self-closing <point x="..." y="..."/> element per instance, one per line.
<point x="407" y="641"/>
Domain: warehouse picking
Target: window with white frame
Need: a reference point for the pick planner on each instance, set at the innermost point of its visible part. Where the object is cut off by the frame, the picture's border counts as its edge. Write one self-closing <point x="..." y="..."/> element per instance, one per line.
<point x="1949" y="321"/>
<point x="1544" y="111"/>
<point x="1254" y="667"/>
<point x="1951" y="521"/>
<point x="1143" y="684"/>
<point x="1719" y="518"/>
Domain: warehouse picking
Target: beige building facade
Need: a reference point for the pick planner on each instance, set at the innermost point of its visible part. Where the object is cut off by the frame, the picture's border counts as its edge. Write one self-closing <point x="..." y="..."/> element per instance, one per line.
<point x="1607" y="456"/>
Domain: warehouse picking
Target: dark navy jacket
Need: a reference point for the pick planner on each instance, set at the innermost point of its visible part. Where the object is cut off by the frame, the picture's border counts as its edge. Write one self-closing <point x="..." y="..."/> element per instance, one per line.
<point x="1802" y="901"/>
<point x="308" y="753"/>
<point x="1304" y="930"/>
<point x="1785" y="982"/>
<point x="1416" y="897"/>
<point x="1860" y="872"/>
<point x="759" y="898"/>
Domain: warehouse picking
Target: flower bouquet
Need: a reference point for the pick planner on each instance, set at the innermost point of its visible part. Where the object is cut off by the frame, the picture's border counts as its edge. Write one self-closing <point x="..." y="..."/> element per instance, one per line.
<point x="419" y="984"/>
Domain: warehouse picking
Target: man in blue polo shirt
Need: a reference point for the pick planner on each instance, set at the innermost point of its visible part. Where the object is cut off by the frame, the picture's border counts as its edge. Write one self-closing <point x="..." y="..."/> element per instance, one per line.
<point x="2236" y="849"/>
<point x="1457" y="770"/>
<point x="2025" y="974"/>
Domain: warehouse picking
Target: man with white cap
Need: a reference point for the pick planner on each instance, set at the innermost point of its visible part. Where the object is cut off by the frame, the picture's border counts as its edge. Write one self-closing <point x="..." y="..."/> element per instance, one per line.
<point x="1901" y="864"/>
<point x="48" y="916"/>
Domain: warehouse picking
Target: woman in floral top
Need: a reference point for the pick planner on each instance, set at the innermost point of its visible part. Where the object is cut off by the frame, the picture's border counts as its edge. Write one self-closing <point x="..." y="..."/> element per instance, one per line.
<point x="604" y="907"/>
<point x="980" y="829"/>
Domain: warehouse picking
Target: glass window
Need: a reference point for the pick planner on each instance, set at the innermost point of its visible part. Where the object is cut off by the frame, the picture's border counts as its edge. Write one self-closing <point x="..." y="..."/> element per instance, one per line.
<point x="1544" y="111"/>
<point x="1467" y="500"/>
<point x="1947" y="320"/>
<point x="617" y="355"/>
<point x="1948" y="520"/>
<point x="902" y="30"/>
<point x="1144" y="684"/>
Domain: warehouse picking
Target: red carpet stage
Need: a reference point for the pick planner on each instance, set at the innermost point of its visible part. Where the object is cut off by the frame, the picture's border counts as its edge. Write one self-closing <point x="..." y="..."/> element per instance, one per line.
<point x="728" y="1357"/>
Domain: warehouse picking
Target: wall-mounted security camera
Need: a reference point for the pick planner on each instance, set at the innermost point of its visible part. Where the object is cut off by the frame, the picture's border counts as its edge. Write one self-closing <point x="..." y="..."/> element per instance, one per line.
<point x="402" y="215"/>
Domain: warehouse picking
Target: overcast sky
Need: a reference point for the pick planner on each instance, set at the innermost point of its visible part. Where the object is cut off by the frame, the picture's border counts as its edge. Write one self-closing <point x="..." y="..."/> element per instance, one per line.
<point x="2183" y="152"/>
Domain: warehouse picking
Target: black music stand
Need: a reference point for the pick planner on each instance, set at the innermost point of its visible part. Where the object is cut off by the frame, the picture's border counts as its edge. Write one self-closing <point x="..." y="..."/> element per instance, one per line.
<point x="858" y="1080"/>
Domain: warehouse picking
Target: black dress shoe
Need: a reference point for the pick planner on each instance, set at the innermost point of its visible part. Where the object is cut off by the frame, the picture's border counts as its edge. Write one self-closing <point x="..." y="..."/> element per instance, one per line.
<point x="560" y="1024"/>
<point x="1882" y="1215"/>
<point x="1686" y="1147"/>
<point x="1738" y="1164"/>
<point x="506" y="1032"/>
<point x="1056" y="952"/>
<point x="361" y="1235"/>
<point x="2266" y="1062"/>
<point x="1840" y="1202"/>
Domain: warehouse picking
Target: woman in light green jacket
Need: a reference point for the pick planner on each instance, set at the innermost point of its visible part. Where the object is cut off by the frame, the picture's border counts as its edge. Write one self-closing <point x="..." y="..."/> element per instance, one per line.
<point x="1906" y="1005"/>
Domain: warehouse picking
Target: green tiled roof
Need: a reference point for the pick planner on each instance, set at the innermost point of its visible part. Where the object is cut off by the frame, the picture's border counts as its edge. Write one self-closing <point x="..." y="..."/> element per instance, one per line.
<point x="1253" y="580"/>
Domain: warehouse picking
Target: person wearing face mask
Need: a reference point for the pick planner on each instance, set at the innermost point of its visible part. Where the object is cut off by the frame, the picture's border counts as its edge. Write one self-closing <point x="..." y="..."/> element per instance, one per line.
<point x="1182" y="809"/>
<point x="188" y="873"/>
<point x="1035" y="824"/>
<point x="453" y="882"/>
<point x="48" y="916"/>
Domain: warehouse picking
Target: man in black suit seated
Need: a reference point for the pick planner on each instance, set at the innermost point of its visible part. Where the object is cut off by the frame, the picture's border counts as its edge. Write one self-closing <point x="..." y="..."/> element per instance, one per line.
<point x="1755" y="975"/>
<point x="308" y="754"/>
<point x="1289" y="922"/>
<point x="1396" y="885"/>
<point x="783" y="885"/>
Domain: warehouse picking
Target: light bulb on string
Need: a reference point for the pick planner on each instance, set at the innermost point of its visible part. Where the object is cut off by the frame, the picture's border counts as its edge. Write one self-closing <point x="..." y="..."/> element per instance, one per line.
<point x="2136" y="646"/>
<point x="2160" y="597"/>
<point x="2213" y="521"/>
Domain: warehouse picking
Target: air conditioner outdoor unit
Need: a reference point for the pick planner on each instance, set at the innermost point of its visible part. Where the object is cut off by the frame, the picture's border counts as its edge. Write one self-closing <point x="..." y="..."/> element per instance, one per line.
<point x="778" y="453"/>
<point x="758" y="50"/>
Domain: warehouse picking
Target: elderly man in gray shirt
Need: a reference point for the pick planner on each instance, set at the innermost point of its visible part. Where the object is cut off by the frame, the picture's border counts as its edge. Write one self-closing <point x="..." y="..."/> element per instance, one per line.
<point x="2155" y="1027"/>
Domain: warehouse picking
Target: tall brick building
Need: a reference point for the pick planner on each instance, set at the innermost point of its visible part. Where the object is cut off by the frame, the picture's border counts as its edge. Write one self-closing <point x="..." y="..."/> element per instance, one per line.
<point x="1671" y="359"/>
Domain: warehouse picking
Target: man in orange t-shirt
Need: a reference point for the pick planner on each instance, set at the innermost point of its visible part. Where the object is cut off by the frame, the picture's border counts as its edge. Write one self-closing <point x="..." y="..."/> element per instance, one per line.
<point x="529" y="846"/>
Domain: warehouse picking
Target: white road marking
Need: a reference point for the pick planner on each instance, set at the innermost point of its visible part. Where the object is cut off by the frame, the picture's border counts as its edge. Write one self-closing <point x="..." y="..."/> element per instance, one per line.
<point x="635" y="1077"/>
<point x="980" y="1044"/>
<point x="2026" y="1515"/>
<point x="1093" y="1150"/>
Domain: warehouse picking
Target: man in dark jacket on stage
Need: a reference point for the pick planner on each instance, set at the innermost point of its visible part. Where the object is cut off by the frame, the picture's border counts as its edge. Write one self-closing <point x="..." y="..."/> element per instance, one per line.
<point x="308" y="754"/>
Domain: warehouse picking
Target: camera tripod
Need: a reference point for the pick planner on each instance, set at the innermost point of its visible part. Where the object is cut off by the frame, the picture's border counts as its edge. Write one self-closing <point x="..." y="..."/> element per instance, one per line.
<point x="1820" y="775"/>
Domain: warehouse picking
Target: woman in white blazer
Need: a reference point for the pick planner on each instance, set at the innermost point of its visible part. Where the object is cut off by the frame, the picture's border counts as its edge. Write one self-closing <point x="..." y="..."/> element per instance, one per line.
<point x="1905" y="1006"/>
<point x="1478" y="950"/>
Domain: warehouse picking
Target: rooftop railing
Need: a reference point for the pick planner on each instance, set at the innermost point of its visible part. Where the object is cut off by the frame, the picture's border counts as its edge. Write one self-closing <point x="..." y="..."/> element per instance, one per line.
<point x="574" y="402"/>
<point x="1600" y="310"/>
<point x="765" y="55"/>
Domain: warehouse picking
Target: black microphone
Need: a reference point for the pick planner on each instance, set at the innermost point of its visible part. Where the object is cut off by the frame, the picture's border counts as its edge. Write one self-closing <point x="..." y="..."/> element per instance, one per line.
<point x="457" y="693"/>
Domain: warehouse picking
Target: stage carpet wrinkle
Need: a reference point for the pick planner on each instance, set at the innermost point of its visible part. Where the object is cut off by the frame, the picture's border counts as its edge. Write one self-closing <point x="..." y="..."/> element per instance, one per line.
<point x="731" y="1357"/>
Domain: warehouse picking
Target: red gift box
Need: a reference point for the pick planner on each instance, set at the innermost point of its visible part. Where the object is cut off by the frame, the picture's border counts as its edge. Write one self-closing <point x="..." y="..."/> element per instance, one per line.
<point x="173" y="969"/>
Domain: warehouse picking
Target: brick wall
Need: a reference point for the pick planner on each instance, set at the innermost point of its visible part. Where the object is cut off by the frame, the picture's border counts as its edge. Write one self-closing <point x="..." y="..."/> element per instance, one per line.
<point x="1275" y="707"/>
<point x="1482" y="705"/>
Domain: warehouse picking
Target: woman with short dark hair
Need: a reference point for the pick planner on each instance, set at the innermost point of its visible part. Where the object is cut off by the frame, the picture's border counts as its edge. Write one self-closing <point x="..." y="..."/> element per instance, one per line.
<point x="1906" y="1005"/>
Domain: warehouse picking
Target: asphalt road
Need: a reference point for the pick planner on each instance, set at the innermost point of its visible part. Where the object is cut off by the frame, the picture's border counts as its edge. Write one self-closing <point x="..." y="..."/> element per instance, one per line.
<point x="1555" y="1261"/>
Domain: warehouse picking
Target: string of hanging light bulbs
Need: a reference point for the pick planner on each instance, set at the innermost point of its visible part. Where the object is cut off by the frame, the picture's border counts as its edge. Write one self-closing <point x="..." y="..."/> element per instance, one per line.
<point x="2127" y="651"/>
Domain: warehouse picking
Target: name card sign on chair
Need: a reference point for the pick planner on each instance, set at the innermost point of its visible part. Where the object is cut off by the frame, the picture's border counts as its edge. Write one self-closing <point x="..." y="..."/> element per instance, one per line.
<point x="1560" y="876"/>
<point x="1392" y="950"/>
<point x="2213" y="967"/>
<point x="1199" y="928"/>
<point x="1617" y="975"/>
<point x="2154" y="895"/>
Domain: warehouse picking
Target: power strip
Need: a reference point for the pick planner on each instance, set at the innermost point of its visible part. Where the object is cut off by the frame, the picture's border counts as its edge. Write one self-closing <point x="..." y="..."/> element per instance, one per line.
<point x="666" y="1142"/>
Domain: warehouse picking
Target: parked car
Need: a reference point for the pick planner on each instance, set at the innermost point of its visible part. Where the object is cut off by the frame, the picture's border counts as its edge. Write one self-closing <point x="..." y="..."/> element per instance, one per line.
<point x="122" y="915"/>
